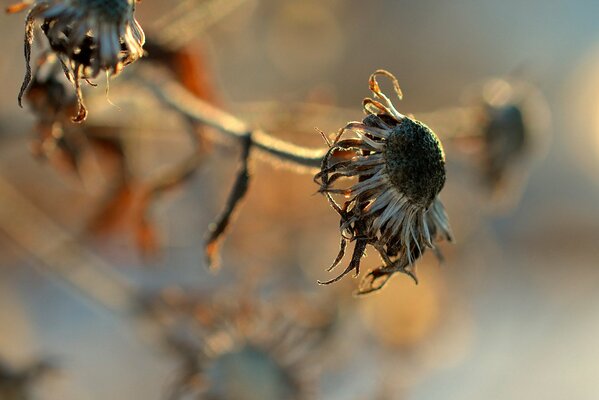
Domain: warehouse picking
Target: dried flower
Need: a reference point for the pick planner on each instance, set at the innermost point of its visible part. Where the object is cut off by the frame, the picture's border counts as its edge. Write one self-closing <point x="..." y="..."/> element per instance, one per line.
<point x="88" y="36"/>
<point x="240" y="347"/>
<point x="399" y="164"/>
<point x="505" y="134"/>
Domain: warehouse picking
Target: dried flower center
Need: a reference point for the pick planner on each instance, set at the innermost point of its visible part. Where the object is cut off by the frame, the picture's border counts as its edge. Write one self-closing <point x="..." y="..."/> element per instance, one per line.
<point x="111" y="10"/>
<point x="415" y="161"/>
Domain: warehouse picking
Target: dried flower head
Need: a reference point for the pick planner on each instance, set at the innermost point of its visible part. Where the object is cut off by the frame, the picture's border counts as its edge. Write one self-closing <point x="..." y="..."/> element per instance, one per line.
<point x="238" y="347"/>
<point x="505" y="133"/>
<point x="399" y="165"/>
<point x="88" y="36"/>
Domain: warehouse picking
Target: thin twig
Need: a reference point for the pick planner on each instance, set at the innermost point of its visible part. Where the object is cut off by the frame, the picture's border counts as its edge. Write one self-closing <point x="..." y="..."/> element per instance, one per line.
<point x="65" y="259"/>
<point x="60" y="251"/>
<point x="176" y="97"/>
<point x="195" y="110"/>
<point x="189" y="19"/>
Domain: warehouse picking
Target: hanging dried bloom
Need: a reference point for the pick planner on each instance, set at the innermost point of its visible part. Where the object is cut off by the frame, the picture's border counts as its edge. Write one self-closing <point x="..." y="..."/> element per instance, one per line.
<point x="88" y="36"/>
<point x="398" y="166"/>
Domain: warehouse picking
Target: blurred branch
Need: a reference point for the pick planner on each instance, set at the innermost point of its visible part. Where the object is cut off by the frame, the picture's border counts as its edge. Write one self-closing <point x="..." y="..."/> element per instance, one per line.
<point x="448" y="122"/>
<point x="179" y="99"/>
<point x="60" y="252"/>
<point x="68" y="261"/>
<point x="452" y="123"/>
<point x="188" y="19"/>
<point x="194" y="110"/>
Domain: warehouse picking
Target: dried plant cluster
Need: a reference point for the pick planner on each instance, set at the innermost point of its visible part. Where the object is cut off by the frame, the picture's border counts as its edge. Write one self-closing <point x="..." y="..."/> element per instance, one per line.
<point x="382" y="175"/>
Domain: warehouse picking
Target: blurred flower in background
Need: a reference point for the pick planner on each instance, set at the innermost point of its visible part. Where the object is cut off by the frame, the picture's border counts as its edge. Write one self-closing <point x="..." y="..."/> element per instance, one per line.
<point x="242" y="347"/>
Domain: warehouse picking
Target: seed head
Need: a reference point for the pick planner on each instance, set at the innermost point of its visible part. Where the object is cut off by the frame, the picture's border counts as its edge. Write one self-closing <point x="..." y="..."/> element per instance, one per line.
<point x="505" y="133"/>
<point x="88" y="36"/>
<point x="398" y="167"/>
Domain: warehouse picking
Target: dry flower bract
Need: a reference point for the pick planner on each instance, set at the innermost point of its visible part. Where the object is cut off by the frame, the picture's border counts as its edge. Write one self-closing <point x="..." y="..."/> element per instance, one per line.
<point x="88" y="36"/>
<point x="398" y="169"/>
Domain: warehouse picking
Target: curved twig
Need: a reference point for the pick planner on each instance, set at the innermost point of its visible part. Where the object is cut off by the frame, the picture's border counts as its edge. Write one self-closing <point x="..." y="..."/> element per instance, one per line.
<point x="176" y="97"/>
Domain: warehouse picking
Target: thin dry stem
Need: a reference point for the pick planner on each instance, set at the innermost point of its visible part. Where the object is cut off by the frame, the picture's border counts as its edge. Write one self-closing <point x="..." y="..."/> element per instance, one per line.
<point x="179" y="99"/>
<point x="218" y="229"/>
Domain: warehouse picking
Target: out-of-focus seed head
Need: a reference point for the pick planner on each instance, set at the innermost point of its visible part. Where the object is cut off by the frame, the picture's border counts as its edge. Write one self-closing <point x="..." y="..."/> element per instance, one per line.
<point x="398" y="165"/>
<point x="88" y="36"/>
<point x="504" y="131"/>
<point x="238" y="347"/>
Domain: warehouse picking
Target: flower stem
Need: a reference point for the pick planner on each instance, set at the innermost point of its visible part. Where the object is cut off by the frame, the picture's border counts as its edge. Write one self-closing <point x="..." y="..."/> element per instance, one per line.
<point x="179" y="99"/>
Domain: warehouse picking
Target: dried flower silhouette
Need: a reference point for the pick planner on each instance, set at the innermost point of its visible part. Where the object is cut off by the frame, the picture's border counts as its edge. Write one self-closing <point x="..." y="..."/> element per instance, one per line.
<point x="399" y="165"/>
<point x="88" y="36"/>
<point x="504" y="138"/>
<point x="240" y="347"/>
<point x="506" y="114"/>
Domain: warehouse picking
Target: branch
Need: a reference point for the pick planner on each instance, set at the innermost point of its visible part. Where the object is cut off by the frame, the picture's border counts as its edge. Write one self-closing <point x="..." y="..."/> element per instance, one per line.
<point x="179" y="99"/>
